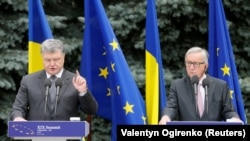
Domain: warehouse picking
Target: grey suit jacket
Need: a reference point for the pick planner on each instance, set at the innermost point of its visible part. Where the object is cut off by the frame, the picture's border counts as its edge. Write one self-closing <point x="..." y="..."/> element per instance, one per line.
<point x="181" y="104"/>
<point x="30" y="99"/>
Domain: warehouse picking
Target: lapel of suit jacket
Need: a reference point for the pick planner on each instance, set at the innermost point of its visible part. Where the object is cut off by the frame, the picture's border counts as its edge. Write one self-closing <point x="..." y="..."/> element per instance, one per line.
<point x="190" y="91"/>
<point x="211" y="89"/>
<point x="41" y="79"/>
<point x="66" y="80"/>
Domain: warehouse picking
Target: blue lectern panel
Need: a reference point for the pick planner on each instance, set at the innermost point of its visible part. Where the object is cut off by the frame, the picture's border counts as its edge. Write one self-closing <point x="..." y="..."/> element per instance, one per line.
<point x="48" y="128"/>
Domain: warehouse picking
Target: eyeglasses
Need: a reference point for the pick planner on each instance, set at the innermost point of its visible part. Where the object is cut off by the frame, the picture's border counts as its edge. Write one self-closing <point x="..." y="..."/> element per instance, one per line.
<point x="195" y="64"/>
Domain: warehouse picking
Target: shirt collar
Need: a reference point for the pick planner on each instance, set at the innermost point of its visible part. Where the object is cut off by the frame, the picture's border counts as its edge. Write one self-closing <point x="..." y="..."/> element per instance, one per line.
<point x="203" y="77"/>
<point x="59" y="75"/>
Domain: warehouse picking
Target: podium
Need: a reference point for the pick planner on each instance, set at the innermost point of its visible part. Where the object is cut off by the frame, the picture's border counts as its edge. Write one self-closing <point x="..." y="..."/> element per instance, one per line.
<point x="48" y="130"/>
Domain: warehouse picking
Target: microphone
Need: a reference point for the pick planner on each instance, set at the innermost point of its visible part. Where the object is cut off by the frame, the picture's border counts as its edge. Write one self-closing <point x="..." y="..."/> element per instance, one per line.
<point x="205" y="84"/>
<point x="195" y="81"/>
<point x="47" y="84"/>
<point x="58" y="84"/>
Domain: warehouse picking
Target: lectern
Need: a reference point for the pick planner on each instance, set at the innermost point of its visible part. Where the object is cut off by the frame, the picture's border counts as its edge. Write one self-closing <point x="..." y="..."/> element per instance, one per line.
<point x="48" y="130"/>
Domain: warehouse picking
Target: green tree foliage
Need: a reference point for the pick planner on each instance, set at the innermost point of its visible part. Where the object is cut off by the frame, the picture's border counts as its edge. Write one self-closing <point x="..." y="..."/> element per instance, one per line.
<point x="182" y="24"/>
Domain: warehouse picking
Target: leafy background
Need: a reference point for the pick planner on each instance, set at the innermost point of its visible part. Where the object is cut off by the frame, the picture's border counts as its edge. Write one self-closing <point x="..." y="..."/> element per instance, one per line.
<point x="182" y="24"/>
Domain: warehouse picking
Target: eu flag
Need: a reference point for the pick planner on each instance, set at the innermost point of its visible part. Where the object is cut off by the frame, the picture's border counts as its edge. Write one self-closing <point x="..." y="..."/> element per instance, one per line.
<point x="39" y="30"/>
<point x="155" y="86"/>
<point x="221" y="60"/>
<point x="106" y="71"/>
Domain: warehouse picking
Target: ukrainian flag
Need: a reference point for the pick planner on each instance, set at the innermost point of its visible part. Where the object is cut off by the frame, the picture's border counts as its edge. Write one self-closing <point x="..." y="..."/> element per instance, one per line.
<point x="155" y="86"/>
<point x="39" y="30"/>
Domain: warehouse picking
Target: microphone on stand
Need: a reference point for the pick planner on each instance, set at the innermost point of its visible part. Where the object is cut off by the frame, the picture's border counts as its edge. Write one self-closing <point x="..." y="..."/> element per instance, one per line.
<point x="58" y="84"/>
<point x="195" y="81"/>
<point x="205" y="84"/>
<point x="47" y="84"/>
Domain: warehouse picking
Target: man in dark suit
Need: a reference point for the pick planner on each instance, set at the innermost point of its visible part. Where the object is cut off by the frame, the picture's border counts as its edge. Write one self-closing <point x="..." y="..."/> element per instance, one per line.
<point x="182" y="101"/>
<point x="31" y="103"/>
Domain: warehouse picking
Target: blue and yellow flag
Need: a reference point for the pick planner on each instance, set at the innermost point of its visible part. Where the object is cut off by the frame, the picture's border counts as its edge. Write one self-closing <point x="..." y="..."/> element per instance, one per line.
<point x="155" y="86"/>
<point x="221" y="60"/>
<point x="107" y="72"/>
<point x="39" y="30"/>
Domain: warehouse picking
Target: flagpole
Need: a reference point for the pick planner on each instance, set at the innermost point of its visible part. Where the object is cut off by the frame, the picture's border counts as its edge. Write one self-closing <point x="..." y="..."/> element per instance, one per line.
<point x="89" y="121"/>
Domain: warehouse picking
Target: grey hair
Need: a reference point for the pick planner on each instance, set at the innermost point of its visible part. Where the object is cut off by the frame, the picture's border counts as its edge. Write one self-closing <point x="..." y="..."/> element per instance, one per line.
<point x="52" y="45"/>
<point x="204" y="53"/>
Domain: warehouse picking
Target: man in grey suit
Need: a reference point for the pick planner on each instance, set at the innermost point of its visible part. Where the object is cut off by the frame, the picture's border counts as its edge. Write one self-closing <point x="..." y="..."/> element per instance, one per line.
<point x="33" y="100"/>
<point x="183" y="101"/>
